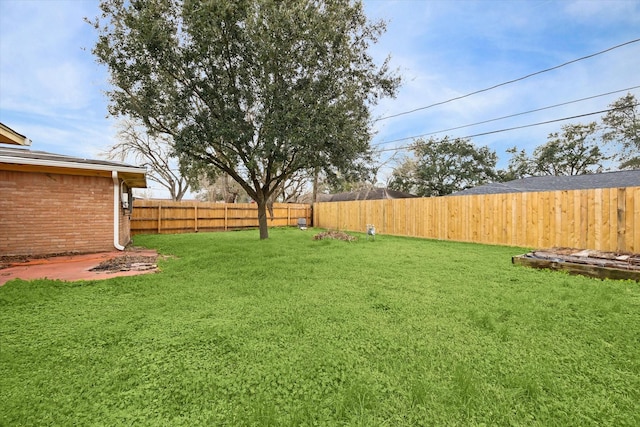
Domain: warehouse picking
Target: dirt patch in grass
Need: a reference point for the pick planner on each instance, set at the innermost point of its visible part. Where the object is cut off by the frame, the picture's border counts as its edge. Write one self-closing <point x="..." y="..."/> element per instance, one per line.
<point x="334" y="235"/>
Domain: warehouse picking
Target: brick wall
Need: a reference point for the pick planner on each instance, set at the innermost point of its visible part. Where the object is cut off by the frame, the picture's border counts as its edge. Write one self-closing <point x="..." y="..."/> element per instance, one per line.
<point x="52" y="213"/>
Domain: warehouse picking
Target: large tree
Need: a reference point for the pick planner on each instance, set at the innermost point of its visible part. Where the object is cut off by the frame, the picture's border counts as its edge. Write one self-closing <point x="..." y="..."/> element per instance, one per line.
<point x="260" y="89"/>
<point x="574" y="151"/>
<point x="443" y="166"/>
<point x="622" y="127"/>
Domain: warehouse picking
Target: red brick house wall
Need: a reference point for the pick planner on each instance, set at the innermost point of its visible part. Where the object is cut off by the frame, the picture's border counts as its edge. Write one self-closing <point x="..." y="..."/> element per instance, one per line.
<point x="46" y="213"/>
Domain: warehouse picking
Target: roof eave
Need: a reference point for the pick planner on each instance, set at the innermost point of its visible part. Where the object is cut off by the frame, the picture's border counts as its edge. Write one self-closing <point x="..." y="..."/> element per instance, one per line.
<point x="134" y="176"/>
<point x="10" y="136"/>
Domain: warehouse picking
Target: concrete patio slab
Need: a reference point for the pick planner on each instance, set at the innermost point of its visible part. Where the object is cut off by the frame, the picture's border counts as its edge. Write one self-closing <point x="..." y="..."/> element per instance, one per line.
<point x="74" y="267"/>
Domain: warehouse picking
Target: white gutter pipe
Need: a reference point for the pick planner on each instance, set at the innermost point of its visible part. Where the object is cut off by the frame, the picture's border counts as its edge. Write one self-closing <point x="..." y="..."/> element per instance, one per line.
<point x="116" y="211"/>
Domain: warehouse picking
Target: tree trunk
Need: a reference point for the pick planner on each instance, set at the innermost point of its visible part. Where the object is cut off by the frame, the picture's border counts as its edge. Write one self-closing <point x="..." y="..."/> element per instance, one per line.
<point x="262" y="219"/>
<point x="314" y="192"/>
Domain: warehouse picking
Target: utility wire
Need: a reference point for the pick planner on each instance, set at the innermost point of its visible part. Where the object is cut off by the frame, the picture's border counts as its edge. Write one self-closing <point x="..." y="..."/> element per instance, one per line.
<point x="503" y="117"/>
<point x="508" y="82"/>
<point x="405" y="147"/>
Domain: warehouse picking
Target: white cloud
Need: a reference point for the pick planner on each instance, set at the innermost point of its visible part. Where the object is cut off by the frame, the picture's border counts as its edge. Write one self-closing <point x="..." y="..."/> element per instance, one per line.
<point x="604" y="12"/>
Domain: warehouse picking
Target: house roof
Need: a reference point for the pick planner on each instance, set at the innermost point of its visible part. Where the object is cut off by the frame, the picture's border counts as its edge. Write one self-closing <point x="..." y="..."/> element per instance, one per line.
<point x="21" y="159"/>
<point x="367" y="194"/>
<point x="627" y="178"/>
<point x="10" y="136"/>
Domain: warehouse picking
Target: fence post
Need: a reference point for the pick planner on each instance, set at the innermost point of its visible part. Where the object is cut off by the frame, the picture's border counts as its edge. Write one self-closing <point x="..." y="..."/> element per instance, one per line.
<point x="288" y="215"/>
<point x="314" y="215"/>
<point x="159" y="218"/>
<point x="622" y="219"/>
<point x="225" y="217"/>
<point x="195" y="227"/>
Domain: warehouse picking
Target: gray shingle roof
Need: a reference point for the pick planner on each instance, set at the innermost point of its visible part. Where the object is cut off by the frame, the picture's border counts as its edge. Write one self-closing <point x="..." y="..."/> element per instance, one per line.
<point x="627" y="178"/>
<point x="370" y="194"/>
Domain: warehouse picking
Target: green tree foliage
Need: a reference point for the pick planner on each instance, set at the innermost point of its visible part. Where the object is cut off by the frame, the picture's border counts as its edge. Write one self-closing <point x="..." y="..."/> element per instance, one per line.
<point x="259" y="89"/>
<point x="443" y="166"/>
<point x="520" y="166"/>
<point x="574" y="151"/>
<point x="622" y="128"/>
<point x="358" y="178"/>
<point x="403" y="177"/>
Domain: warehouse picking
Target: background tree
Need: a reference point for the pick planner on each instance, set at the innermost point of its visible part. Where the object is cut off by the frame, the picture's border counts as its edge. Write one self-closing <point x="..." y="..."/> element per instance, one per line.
<point x="362" y="176"/>
<point x="443" y="166"/>
<point x="259" y="89"/>
<point x="221" y="189"/>
<point x="574" y="151"/>
<point x="403" y="176"/>
<point x="154" y="153"/>
<point x="357" y="178"/>
<point x="622" y="128"/>
<point x="520" y="166"/>
<point x="295" y="187"/>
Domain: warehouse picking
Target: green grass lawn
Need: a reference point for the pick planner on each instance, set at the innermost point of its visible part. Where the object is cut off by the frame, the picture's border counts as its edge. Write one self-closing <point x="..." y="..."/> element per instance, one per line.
<point x="291" y="331"/>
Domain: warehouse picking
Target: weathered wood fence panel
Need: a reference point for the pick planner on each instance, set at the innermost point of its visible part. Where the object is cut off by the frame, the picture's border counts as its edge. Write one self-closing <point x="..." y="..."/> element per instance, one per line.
<point x="605" y="219"/>
<point x="167" y="217"/>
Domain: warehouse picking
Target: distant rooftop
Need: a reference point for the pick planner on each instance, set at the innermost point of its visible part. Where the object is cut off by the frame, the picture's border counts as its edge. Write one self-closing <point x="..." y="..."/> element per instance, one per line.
<point x="369" y="194"/>
<point x="627" y="178"/>
<point x="366" y="194"/>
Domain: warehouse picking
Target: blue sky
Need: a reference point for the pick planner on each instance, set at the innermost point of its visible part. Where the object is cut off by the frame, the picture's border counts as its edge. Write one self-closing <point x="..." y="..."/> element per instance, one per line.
<point x="52" y="90"/>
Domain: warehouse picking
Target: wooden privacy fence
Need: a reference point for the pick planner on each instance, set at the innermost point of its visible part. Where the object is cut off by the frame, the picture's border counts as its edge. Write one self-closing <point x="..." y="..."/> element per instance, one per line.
<point x="603" y="219"/>
<point x="166" y="217"/>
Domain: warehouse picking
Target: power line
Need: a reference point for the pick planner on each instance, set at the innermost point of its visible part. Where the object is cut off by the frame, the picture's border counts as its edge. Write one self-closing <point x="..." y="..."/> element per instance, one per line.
<point x="503" y="117"/>
<point x="405" y="147"/>
<point x="508" y="82"/>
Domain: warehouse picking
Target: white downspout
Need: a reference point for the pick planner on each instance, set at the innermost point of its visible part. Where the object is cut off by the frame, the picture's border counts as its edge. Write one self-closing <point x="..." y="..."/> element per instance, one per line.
<point x="116" y="211"/>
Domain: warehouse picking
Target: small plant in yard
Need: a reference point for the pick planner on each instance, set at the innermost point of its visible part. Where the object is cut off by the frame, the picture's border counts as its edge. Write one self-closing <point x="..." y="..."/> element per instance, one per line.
<point x="237" y="331"/>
